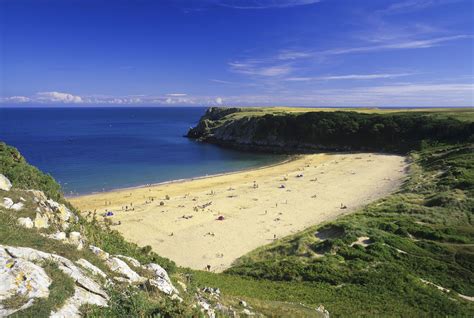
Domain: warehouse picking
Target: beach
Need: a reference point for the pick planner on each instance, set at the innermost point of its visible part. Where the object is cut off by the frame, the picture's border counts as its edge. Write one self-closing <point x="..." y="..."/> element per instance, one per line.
<point x="210" y="222"/>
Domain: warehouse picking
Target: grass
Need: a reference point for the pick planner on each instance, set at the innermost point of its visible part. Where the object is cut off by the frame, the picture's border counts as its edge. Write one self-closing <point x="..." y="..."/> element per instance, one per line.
<point x="423" y="232"/>
<point x="463" y="114"/>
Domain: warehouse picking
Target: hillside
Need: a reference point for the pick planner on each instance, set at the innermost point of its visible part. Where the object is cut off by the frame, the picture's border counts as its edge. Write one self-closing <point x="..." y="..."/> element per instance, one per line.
<point x="409" y="254"/>
<point x="54" y="263"/>
<point x="276" y="130"/>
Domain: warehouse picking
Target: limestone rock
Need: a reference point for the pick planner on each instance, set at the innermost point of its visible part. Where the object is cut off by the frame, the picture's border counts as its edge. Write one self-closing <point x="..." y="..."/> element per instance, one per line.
<point x="5" y="184"/>
<point x="27" y="253"/>
<point x="117" y="265"/>
<point x="158" y="271"/>
<point x="68" y="267"/>
<point x="38" y="195"/>
<point x="323" y="311"/>
<point x="7" y="203"/>
<point x="247" y="312"/>
<point x="25" y="222"/>
<point x="17" y="206"/>
<point x="19" y="276"/>
<point x="59" y="236"/>
<point x="99" y="252"/>
<point x="81" y="297"/>
<point x="94" y="269"/>
<point x="75" y="238"/>
<point x="132" y="261"/>
<point x="65" y="265"/>
<point x="206" y="307"/>
<point x="41" y="221"/>
<point x="162" y="285"/>
<point x="161" y="281"/>
<point x="123" y="280"/>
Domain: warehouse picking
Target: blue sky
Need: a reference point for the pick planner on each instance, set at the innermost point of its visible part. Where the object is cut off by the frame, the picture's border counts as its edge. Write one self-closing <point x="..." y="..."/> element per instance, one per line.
<point x="237" y="52"/>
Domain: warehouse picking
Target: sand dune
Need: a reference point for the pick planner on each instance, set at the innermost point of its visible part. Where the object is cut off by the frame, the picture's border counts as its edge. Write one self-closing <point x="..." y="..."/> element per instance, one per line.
<point x="212" y="221"/>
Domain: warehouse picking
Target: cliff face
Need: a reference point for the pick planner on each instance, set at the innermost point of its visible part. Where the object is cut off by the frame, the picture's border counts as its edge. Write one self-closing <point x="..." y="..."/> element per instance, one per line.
<point x="315" y="131"/>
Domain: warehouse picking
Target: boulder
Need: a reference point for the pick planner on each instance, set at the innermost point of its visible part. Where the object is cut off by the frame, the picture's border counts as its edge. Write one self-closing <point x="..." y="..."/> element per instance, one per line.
<point x="5" y="184"/>
<point x="65" y="265"/>
<point x="92" y="268"/>
<point x="81" y="297"/>
<point x="131" y="260"/>
<point x="21" y="277"/>
<point x="75" y="238"/>
<point x="41" y="221"/>
<point x="99" y="252"/>
<point x="68" y="267"/>
<point x="162" y="285"/>
<point x="117" y="265"/>
<point x="25" y="222"/>
<point x="17" y="206"/>
<point x="7" y="203"/>
<point x="161" y="281"/>
<point x="59" y="236"/>
<point x="159" y="271"/>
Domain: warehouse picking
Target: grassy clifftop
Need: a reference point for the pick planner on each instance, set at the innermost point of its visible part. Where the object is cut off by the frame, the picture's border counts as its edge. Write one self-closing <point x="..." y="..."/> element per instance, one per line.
<point x="409" y="254"/>
<point x="303" y="130"/>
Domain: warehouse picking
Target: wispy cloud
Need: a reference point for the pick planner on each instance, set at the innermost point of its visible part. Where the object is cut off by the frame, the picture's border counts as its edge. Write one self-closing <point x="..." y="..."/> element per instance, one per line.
<point x="176" y="94"/>
<point x="407" y="94"/>
<point x="260" y="68"/>
<point x="403" y="45"/>
<point x="413" y="5"/>
<point x="348" y="77"/>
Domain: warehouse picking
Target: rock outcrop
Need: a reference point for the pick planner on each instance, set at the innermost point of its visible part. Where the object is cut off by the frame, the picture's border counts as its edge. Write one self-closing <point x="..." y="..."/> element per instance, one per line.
<point x="5" y="184"/>
<point x="21" y="278"/>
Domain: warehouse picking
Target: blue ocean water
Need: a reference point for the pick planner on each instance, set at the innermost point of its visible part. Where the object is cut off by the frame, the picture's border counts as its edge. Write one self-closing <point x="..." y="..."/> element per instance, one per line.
<point x="96" y="149"/>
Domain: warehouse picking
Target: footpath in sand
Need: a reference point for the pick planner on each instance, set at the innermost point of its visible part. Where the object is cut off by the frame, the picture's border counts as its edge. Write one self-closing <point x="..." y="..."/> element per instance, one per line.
<point x="213" y="221"/>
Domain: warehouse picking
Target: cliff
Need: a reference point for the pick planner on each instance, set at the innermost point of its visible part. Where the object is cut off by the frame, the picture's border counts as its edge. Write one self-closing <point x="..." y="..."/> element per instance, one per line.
<point x="308" y="131"/>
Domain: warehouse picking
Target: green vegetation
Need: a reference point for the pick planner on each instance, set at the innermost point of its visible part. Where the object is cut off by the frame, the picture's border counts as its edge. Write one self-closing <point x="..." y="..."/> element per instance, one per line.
<point x="331" y="130"/>
<point x="62" y="287"/>
<point x="423" y="232"/>
<point x="381" y="261"/>
<point x="24" y="176"/>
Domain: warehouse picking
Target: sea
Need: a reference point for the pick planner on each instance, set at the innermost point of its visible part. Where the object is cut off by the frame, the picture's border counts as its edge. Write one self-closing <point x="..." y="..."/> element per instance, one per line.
<point x="94" y="149"/>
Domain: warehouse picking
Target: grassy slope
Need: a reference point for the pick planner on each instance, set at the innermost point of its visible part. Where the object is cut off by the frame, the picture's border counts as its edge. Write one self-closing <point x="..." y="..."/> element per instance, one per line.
<point x="464" y="114"/>
<point x="125" y="302"/>
<point x="423" y="232"/>
<point x="429" y="221"/>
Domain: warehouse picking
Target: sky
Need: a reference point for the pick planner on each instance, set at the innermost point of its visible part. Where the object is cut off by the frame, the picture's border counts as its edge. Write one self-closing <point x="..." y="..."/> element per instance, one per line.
<point x="237" y="52"/>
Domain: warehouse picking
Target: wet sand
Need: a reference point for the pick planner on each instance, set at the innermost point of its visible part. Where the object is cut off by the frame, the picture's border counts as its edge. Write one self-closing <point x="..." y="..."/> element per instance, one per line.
<point x="214" y="220"/>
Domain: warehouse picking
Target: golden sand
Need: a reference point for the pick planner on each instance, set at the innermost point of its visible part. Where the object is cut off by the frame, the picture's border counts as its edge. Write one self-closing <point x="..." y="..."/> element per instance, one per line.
<point x="180" y="220"/>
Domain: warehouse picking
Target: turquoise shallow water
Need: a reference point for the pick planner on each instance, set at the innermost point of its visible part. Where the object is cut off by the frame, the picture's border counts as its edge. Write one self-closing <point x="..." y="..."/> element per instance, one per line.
<point x="96" y="149"/>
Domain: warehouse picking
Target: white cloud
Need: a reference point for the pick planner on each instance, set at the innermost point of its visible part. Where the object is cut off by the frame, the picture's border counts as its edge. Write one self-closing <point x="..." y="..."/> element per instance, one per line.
<point x="58" y="97"/>
<point x="259" y="68"/>
<point x="16" y="99"/>
<point x="348" y="77"/>
<point x="412" y="44"/>
<point x="400" y="94"/>
<point x="176" y="94"/>
<point x="413" y="5"/>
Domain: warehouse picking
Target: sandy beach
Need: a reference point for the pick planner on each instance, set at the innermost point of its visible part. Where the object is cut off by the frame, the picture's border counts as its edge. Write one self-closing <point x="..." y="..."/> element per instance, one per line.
<point x="213" y="221"/>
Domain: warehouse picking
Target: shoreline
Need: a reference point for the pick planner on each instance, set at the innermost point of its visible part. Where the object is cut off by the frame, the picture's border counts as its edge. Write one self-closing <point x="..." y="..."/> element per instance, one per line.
<point x="177" y="181"/>
<point x="214" y="220"/>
